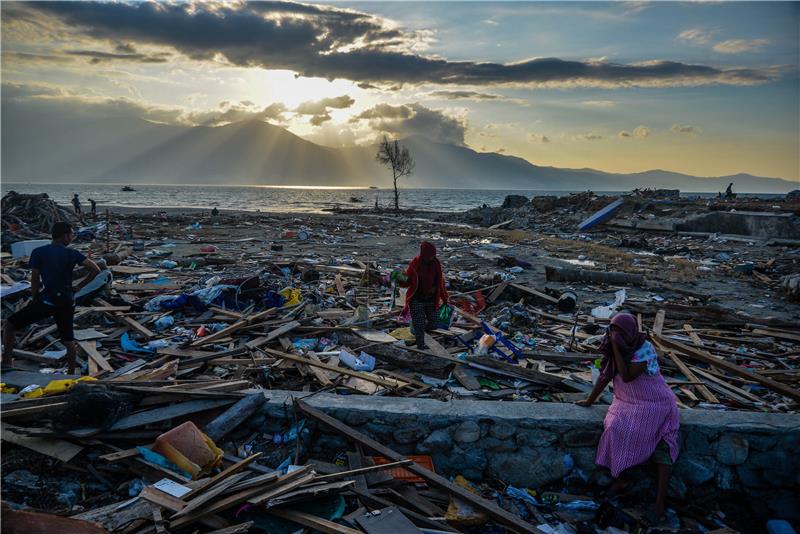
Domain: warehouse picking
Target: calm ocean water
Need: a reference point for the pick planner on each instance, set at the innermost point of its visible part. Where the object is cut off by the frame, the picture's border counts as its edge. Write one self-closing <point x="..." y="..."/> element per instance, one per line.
<point x="266" y="198"/>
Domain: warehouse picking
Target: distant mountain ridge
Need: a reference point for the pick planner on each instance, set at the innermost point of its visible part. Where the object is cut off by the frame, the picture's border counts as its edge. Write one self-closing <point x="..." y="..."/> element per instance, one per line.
<point x="257" y="153"/>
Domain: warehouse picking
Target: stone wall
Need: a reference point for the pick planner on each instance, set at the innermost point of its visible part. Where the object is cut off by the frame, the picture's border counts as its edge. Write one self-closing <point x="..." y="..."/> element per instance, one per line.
<point x="524" y="444"/>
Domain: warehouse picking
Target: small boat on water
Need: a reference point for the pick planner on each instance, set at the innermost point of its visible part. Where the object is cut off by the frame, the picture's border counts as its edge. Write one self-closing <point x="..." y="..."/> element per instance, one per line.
<point x="128" y="188"/>
<point x="373" y="187"/>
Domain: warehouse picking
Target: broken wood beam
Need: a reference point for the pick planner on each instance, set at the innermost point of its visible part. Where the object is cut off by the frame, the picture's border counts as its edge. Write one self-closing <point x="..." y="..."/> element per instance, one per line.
<point x="507" y="519"/>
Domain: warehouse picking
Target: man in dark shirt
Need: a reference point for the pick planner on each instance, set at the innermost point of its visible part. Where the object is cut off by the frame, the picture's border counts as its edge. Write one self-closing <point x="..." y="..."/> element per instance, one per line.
<point x="93" y="203"/>
<point x="51" y="266"/>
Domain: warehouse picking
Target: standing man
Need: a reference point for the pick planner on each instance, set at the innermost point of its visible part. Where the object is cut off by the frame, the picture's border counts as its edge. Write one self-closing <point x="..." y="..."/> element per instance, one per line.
<point x="93" y="202"/>
<point x="51" y="267"/>
<point x="76" y="205"/>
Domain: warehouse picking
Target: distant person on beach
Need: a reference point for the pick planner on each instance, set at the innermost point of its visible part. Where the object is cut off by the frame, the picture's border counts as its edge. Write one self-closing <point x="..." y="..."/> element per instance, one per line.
<point x="729" y="192"/>
<point x="642" y="423"/>
<point x="94" y="208"/>
<point x="214" y="212"/>
<point x="76" y="204"/>
<point x="52" y="292"/>
<point x="424" y="279"/>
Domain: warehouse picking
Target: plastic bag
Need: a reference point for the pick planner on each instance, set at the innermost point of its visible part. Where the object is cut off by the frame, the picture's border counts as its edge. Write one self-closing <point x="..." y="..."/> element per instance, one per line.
<point x="445" y="315"/>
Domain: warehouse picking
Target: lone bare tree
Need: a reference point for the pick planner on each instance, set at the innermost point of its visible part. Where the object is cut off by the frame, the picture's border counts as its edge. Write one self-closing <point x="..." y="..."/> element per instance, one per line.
<point x="391" y="154"/>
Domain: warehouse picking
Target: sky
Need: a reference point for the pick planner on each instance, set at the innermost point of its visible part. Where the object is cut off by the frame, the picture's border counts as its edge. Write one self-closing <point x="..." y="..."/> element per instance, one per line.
<point x="703" y="88"/>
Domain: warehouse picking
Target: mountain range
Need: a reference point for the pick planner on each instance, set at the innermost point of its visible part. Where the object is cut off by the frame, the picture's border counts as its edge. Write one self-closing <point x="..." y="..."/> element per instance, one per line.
<point x="128" y="151"/>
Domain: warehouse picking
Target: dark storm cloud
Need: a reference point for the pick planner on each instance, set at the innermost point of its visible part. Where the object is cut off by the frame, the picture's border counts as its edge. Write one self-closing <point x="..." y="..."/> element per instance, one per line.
<point x="333" y="42"/>
<point x="415" y="119"/>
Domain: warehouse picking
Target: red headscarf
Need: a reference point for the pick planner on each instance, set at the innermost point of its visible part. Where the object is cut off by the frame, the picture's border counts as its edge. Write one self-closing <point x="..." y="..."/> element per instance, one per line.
<point x="623" y="331"/>
<point x="425" y="272"/>
<point x="427" y="268"/>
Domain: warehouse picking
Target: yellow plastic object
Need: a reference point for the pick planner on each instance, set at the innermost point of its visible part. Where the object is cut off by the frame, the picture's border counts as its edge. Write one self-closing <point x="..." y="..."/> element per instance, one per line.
<point x="292" y="296"/>
<point x="189" y="448"/>
<point x="403" y="334"/>
<point x="7" y="389"/>
<point x="35" y="394"/>
<point x="61" y="386"/>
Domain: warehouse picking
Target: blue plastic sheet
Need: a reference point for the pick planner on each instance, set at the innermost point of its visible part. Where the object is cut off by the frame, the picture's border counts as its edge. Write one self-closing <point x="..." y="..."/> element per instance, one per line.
<point x="129" y="345"/>
<point x="154" y="457"/>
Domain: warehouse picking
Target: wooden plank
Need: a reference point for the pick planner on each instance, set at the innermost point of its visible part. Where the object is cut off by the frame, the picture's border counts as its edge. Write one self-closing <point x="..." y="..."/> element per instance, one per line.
<point x="91" y="350"/>
<point x="704" y="391"/>
<point x="312" y="521"/>
<point x="157" y="415"/>
<point x="234" y="416"/>
<point x="507" y="519"/>
<point x="160" y="498"/>
<point x="48" y="409"/>
<point x="494" y="295"/>
<point x="232" y="500"/>
<point x="134" y="288"/>
<point x="339" y="285"/>
<point x="435" y="347"/>
<point x="535" y="293"/>
<point x="278" y="332"/>
<point x="389" y="520"/>
<point x="731" y="368"/>
<point x="466" y="379"/>
<point x="658" y="323"/>
<point x="385" y="382"/>
<point x="320" y="375"/>
<point x="362" y="470"/>
<point x="128" y="321"/>
<point x="54" y="448"/>
<point x="222" y="475"/>
<point x="208" y="494"/>
<point x="38" y="358"/>
<point x="280" y="489"/>
<point x="241" y="528"/>
<point x="128" y="269"/>
<point x="232" y="328"/>
<point x="730" y="390"/>
<point x="30" y="522"/>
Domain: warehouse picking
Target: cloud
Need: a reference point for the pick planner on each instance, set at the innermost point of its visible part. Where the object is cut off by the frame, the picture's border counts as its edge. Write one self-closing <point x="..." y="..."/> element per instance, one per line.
<point x="640" y="132"/>
<point x="96" y="56"/>
<point x="686" y="129"/>
<point x="538" y="138"/>
<point x="318" y="109"/>
<point x="587" y="137"/>
<point x="599" y="103"/>
<point x="463" y="95"/>
<point x="415" y="119"/>
<point x="334" y="42"/>
<point x="49" y="98"/>
<point x="738" y="46"/>
<point x="697" y="36"/>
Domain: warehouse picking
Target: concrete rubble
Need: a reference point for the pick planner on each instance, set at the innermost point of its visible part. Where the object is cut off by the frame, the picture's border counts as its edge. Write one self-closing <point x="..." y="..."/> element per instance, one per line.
<point x="210" y="318"/>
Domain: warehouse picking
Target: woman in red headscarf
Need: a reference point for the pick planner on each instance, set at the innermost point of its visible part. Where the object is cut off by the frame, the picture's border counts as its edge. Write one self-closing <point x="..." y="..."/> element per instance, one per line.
<point x="642" y="422"/>
<point x="426" y="292"/>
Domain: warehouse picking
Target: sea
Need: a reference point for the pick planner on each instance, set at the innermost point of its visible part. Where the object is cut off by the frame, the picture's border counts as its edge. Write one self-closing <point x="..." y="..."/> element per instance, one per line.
<point x="278" y="198"/>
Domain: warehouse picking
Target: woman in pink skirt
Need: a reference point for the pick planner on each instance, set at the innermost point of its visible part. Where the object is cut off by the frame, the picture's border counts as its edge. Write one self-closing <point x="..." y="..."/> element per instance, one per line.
<point x="642" y="422"/>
